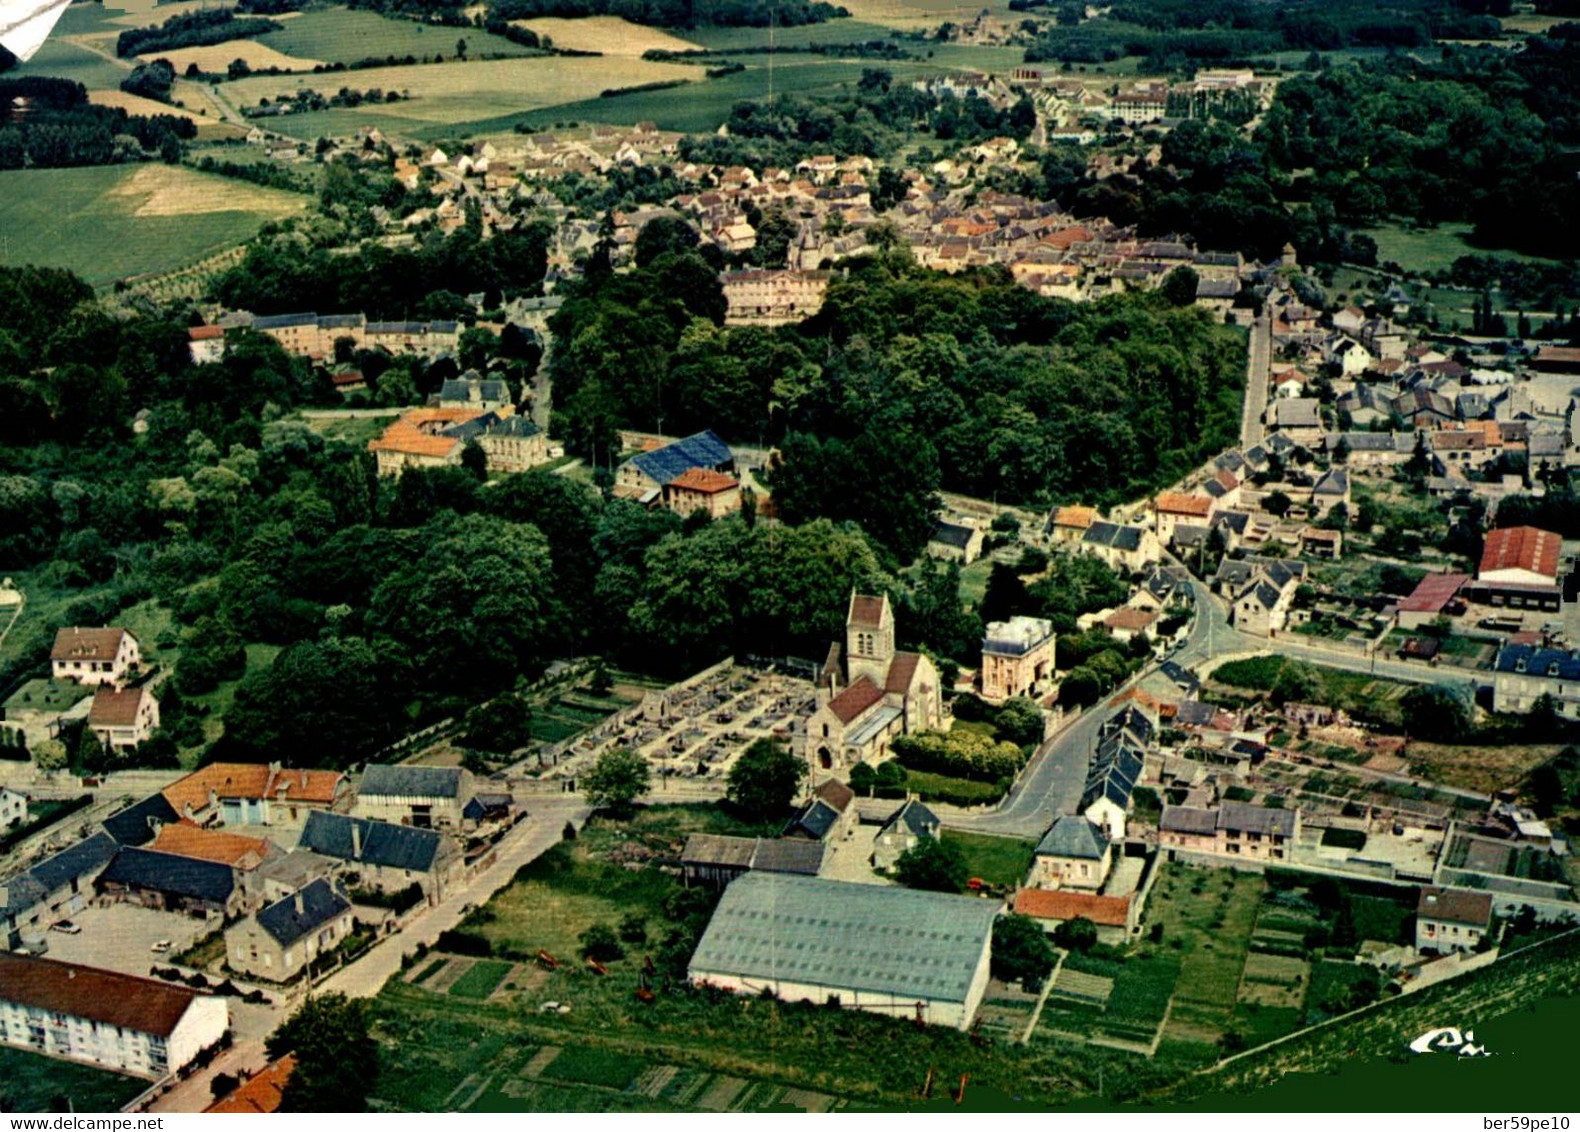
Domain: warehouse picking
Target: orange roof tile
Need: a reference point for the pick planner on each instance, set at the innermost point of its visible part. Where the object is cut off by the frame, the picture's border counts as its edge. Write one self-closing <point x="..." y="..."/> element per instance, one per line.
<point x="227" y="780"/>
<point x="111" y="708"/>
<point x="1077" y="517"/>
<point x="210" y="845"/>
<point x="262" y="1092"/>
<point x="1181" y="503"/>
<point x="855" y="699"/>
<point x="1043" y="904"/>
<point x="704" y="480"/>
<point x="417" y="432"/>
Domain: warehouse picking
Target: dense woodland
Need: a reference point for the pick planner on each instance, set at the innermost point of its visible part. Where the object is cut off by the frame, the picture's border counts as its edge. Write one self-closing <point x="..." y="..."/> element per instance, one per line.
<point x="905" y="383"/>
<point x="397" y="602"/>
<point x="60" y="127"/>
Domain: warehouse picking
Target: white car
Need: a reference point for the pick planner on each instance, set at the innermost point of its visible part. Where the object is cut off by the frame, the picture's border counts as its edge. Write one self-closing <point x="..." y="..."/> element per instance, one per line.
<point x="65" y="926"/>
<point x="161" y="947"/>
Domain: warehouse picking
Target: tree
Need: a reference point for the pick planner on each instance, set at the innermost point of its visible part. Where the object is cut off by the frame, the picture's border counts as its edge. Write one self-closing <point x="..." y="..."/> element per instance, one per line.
<point x="1079" y="934"/>
<point x="1179" y="286"/>
<point x="50" y="755"/>
<point x="1021" y="951"/>
<point x="1435" y="713"/>
<point x="600" y="942"/>
<point x="501" y="725"/>
<point x="337" y="1060"/>
<point x="1277" y="503"/>
<point x="474" y="459"/>
<point x="934" y="865"/>
<point x="617" y="779"/>
<point x="764" y="779"/>
<point x="1296" y="683"/>
<point x="1020" y="721"/>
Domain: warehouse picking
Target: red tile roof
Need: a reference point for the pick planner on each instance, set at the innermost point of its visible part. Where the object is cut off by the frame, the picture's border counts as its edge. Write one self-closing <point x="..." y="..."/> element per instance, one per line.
<point x="262" y="1092"/>
<point x="902" y="670"/>
<point x="855" y="699"/>
<point x="1181" y="503"/>
<point x="232" y="849"/>
<point x="205" y="333"/>
<point x="108" y="997"/>
<point x="1076" y="517"/>
<point x="87" y="644"/>
<point x="835" y="793"/>
<point x="1521" y="548"/>
<point x="115" y="709"/>
<point x="1133" y="620"/>
<point x="704" y="480"/>
<point x="253" y="780"/>
<point x="1041" y="904"/>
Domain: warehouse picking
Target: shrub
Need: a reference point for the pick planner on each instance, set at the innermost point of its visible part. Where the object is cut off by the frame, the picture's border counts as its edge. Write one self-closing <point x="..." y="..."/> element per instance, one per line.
<point x="460" y="942"/>
<point x="601" y="943"/>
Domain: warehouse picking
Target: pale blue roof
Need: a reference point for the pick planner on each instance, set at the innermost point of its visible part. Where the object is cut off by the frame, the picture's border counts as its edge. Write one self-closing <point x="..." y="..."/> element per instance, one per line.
<point x="845" y="936"/>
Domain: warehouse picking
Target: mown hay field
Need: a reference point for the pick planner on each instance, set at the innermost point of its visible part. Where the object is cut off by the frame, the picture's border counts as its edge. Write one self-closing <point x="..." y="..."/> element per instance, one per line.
<point x="216" y="58"/>
<point x="451" y="93"/>
<point x="114" y="221"/>
<point x="607" y="34"/>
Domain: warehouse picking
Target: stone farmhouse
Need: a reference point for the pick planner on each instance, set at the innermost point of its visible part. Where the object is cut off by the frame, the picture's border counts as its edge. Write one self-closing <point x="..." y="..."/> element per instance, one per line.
<point x="278" y="941"/>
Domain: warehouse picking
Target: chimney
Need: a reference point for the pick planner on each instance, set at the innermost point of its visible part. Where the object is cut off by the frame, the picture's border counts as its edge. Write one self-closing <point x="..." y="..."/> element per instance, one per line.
<point x="356" y="840"/>
<point x="301" y="909"/>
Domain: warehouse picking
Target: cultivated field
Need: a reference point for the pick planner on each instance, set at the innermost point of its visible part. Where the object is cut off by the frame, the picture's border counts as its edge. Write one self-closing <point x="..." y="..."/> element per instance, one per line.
<point x="114" y="221"/>
<point x="61" y="59"/>
<point x="339" y="35"/>
<point x="217" y="57"/>
<point x="911" y="14"/>
<point x="32" y="1082"/>
<point x="209" y="129"/>
<point x="607" y="34"/>
<point x="450" y="93"/>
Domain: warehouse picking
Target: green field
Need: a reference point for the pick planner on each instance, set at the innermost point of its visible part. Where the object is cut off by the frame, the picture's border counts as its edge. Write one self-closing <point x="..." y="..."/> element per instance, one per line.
<point x="63" y="60"/>
<point x="31" y="1082"/>
<point x="113" y="221"/>
<point x="339" y="35"/>
<point x="1000" y="861"/>
<point x="834" y="31"/>
<point x="481" y="979"/>
<point x="1431" y="249"/>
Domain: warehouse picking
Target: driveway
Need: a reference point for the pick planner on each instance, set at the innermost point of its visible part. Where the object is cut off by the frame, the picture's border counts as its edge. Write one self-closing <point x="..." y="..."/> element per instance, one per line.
<point x="121" y="937"/>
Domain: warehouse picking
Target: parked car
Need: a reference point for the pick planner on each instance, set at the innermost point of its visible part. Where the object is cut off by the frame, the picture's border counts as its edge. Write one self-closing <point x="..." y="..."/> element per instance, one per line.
<point x="65" y="926"/>
<point x="161" y="947"/>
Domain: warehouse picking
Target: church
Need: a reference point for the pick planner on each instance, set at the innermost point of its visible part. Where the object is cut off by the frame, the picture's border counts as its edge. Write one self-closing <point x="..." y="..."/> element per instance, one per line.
<point x="868" y="692"/>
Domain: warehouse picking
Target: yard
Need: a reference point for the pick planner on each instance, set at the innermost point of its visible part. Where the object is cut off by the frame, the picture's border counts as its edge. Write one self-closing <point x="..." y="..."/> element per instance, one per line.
<point x="1001" y="861"/>
<point x="687" y="1049"/>
<point x="31" y="1082"/>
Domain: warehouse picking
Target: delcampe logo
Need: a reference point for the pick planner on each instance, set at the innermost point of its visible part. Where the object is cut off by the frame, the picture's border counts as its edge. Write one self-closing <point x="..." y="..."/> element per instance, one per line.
<point x="1448" y="1039"/>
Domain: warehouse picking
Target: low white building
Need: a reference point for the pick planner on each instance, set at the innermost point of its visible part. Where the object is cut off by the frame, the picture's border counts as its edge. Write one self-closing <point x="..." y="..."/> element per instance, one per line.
<point x="120" y="1022"/>
<point x="94" y="656"/>
<point x="894" y="951"/>
<point x="1451" y="919"/>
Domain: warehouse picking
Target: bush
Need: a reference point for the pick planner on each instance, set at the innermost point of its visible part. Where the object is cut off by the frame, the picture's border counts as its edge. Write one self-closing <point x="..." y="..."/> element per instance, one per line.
<point x="633" y="928"/>
<point x="460" y="942"/>
<point x="600" y="942"/>
<point x="960" y="755"/>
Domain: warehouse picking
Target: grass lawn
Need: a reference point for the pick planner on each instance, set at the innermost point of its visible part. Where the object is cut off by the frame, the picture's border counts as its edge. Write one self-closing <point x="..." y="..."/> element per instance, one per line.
<point x="44" y="694"/>
<point x="30" y="1082"/>
<point x="59" y="58"/>
<point x="1431" y="249"/>
<point x="109" y="222"/>
<point x="481" y="979"/>
<point x="355" y="431"/>
<point x="1000" y="861"/>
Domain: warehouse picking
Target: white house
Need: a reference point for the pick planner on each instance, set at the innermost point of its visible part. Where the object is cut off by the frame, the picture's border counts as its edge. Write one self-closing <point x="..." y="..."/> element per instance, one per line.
<point x="119" y="1022"/>
<point x="123" y="717"/>
<point x="1451" y="919"/>
<point x="1074" y="853"/>
<point x="95" y="656"/>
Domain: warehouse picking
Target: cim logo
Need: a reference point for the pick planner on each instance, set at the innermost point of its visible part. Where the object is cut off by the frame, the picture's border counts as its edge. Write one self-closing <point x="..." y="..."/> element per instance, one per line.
<point x="1448" y="1039"/>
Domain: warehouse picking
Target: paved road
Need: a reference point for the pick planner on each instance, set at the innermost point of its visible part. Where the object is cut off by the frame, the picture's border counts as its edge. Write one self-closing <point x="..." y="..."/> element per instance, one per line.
<point x="525" y="843"/>
<point x="1259" y="360"/>
<point x="1049" y="786"/>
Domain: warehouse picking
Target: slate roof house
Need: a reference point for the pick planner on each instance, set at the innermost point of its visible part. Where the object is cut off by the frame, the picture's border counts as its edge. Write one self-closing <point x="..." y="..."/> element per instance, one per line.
<point x="901" y="831"/>
<point x="171" y="883"/>
<point x="279" y="940"/>
<point x="1115" y="768"/>
<point x="1234" y="829"/>
<point x="1074" y="853"/>
<point x="139" y="823"/>
<point x="893" y="951"/>
<point x="1017" y="657"/>
<point x="384" y="856"/>
<point x="1124" y="548"/>
<point x="119" y="1022"/>
<point x="56" y="888"/>
<point x="428" y="797"/>
<point x="829" y="815"/>
<point x="955" y="542"/>
<point x="1523" y="674"/>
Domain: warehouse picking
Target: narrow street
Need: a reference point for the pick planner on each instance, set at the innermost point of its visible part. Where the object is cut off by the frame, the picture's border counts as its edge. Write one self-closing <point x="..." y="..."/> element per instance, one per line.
<point x="1259" y="360"/>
